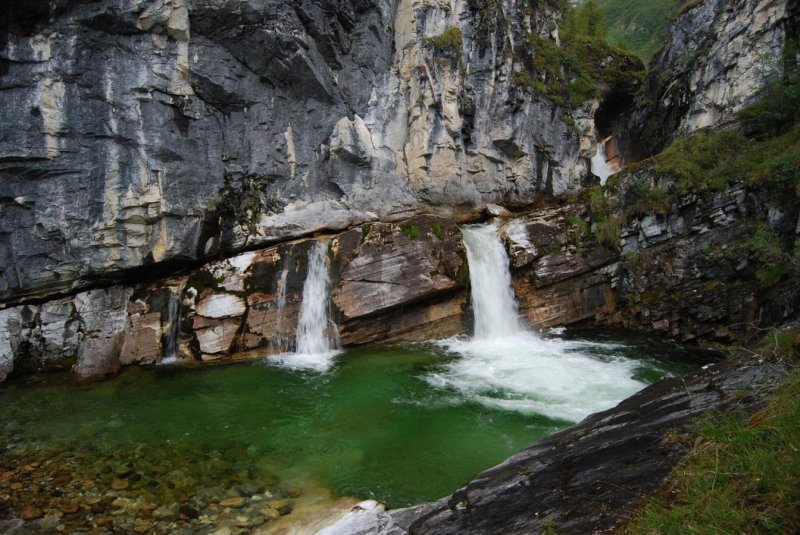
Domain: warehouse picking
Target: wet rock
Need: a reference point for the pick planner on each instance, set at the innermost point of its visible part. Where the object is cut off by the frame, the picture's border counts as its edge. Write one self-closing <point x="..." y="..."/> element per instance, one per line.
<point x="234" y="502"/>
<point x="189" y="512"/>
<point x="30" y="512"/>
<point x="120" y="484"/>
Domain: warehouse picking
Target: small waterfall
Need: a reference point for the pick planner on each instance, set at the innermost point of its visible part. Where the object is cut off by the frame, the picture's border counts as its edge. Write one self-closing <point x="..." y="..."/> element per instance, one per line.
<point x="493" y="301"/>
<point x="317" y="340"/>
<point x="599" y="165"/>
<point x="281" y="341"/>
<point x="314" y="327"/>
<point x="172" y="331"/>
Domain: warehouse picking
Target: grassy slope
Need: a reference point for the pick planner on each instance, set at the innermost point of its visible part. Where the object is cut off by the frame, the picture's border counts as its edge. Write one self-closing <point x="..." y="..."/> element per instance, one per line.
<point x="742" y="474"/>
<point x="638" y="24"/>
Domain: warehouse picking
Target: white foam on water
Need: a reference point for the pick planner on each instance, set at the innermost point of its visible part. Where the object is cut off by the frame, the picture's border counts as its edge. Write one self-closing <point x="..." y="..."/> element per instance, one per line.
<point x="508" y="367"/>
<point x="525" y="373"/>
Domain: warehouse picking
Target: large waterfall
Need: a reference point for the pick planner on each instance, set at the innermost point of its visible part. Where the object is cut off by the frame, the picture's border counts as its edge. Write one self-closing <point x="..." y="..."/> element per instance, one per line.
<point x="506" y="365"/>
<point x="317" y="340"/>
<point x="493" y="302"/>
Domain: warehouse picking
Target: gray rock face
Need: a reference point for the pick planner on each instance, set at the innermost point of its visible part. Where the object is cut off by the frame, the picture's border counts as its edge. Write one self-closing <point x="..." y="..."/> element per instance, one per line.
<point x="717" y="58"/>
<point x="155" y="132"/>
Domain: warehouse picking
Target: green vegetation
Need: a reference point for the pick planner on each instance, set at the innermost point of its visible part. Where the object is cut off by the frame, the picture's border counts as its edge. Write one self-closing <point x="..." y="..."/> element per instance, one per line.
<point x="583" y="66"/>
<point x="242" y="199"/>
<point x="437" y="230"/>
<point x="772" y="259"/>
<point x="366" y="228"/>
<point x="743" y="474"/>
<point x="411" y="232"/>
<point x="606" y="224"/>
<point x="449" y="41"/>
<point x="637" y="26"/>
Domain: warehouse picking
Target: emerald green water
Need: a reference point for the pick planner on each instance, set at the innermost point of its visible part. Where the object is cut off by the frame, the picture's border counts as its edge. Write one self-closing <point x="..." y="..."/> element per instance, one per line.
<point x="375" y="426"/>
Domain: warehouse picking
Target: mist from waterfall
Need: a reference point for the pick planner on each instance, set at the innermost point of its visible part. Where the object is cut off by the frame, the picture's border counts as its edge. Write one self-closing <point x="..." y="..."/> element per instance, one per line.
<point x="505" y="365"/>
<point x="317" y="339"/>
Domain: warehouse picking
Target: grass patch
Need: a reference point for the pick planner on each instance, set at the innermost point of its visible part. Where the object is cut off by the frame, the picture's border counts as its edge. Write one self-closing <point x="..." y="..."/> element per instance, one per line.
<point x="640" y="27"/>
<point x="411" y="232"/>
<point x="436" y="227"/>
<point x="449" y="41"/>
<point x="742" y="476"/>
<point x="584" y="65"/>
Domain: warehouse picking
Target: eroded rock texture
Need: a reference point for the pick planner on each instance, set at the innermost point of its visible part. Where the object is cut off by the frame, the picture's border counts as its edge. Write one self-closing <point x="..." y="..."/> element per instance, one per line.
<point x="149" y="132"/>
<point x="689" y="274"/>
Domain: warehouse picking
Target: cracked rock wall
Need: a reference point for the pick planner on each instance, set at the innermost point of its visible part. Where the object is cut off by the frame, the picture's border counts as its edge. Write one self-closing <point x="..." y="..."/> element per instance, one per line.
<point x="123" y="120"/>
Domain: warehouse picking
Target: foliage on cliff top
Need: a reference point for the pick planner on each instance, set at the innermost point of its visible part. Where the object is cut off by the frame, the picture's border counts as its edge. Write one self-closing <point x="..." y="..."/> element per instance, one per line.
<point x="742" y="474"/>
<point x="637" y="25"/>
<point x="585" y="65"/>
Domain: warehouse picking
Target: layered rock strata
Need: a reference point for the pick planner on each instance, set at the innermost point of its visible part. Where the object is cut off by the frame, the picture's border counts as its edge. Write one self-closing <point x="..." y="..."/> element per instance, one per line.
<point x="401" y="281"/>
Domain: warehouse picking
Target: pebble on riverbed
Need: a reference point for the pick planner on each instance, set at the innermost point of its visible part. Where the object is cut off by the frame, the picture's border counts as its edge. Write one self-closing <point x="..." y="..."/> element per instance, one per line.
<point x="74" y="488"/>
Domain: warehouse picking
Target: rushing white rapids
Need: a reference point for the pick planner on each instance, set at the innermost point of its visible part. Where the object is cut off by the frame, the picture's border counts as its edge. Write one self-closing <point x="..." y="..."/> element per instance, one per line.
<point x="506" y="366"/>
<point x="317" y="337"/>
<point x="599" y="165"/>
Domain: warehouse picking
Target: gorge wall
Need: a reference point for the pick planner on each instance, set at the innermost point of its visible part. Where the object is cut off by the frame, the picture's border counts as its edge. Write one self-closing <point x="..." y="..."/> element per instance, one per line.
<point x="717" y="57"/>
<point x="146" y="134"/>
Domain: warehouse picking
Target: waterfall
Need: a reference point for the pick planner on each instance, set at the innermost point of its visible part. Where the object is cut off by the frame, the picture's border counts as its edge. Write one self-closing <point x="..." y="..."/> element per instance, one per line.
<point x="493" y="302"/>
<point x="281" y="341"/>
<point x="506" y="366"/>
<point x="173" y="329"/>
<point x="317" y="340"/>
<point x="599" y="165"/>
<point x="314" y="327"/>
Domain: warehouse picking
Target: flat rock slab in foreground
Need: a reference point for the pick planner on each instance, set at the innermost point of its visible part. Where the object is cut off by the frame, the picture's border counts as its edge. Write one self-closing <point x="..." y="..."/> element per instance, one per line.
<point x="588" y="478"/>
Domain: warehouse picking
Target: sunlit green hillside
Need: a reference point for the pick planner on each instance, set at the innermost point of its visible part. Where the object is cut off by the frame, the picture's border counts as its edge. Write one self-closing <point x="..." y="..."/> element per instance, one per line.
<point x="639" y="25"/>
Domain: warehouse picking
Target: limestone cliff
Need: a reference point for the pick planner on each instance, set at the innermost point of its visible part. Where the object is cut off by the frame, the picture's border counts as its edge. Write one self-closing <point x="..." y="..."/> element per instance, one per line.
<point x="717" y="58"/>
<point x="142" y="134"/>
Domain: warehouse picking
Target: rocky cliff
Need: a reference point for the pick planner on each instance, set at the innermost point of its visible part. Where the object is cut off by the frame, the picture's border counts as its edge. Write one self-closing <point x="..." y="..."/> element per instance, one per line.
<point x="141" y="135"/>
<point x="717" y="58"/>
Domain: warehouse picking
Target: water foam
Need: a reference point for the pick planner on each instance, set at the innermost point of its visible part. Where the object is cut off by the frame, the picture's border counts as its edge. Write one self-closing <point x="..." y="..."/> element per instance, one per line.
<point x="508" y="367"/>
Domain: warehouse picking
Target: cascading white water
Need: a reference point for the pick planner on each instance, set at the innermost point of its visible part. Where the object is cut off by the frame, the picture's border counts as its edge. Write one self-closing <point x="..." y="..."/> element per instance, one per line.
<point x="508" y="366"/>
<point x="281" y="341"/>
<point x="317" y="340"/>
<point x="493" y="303"/>
<point x="172" y="330"/>
<point x="599" y="165"/>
